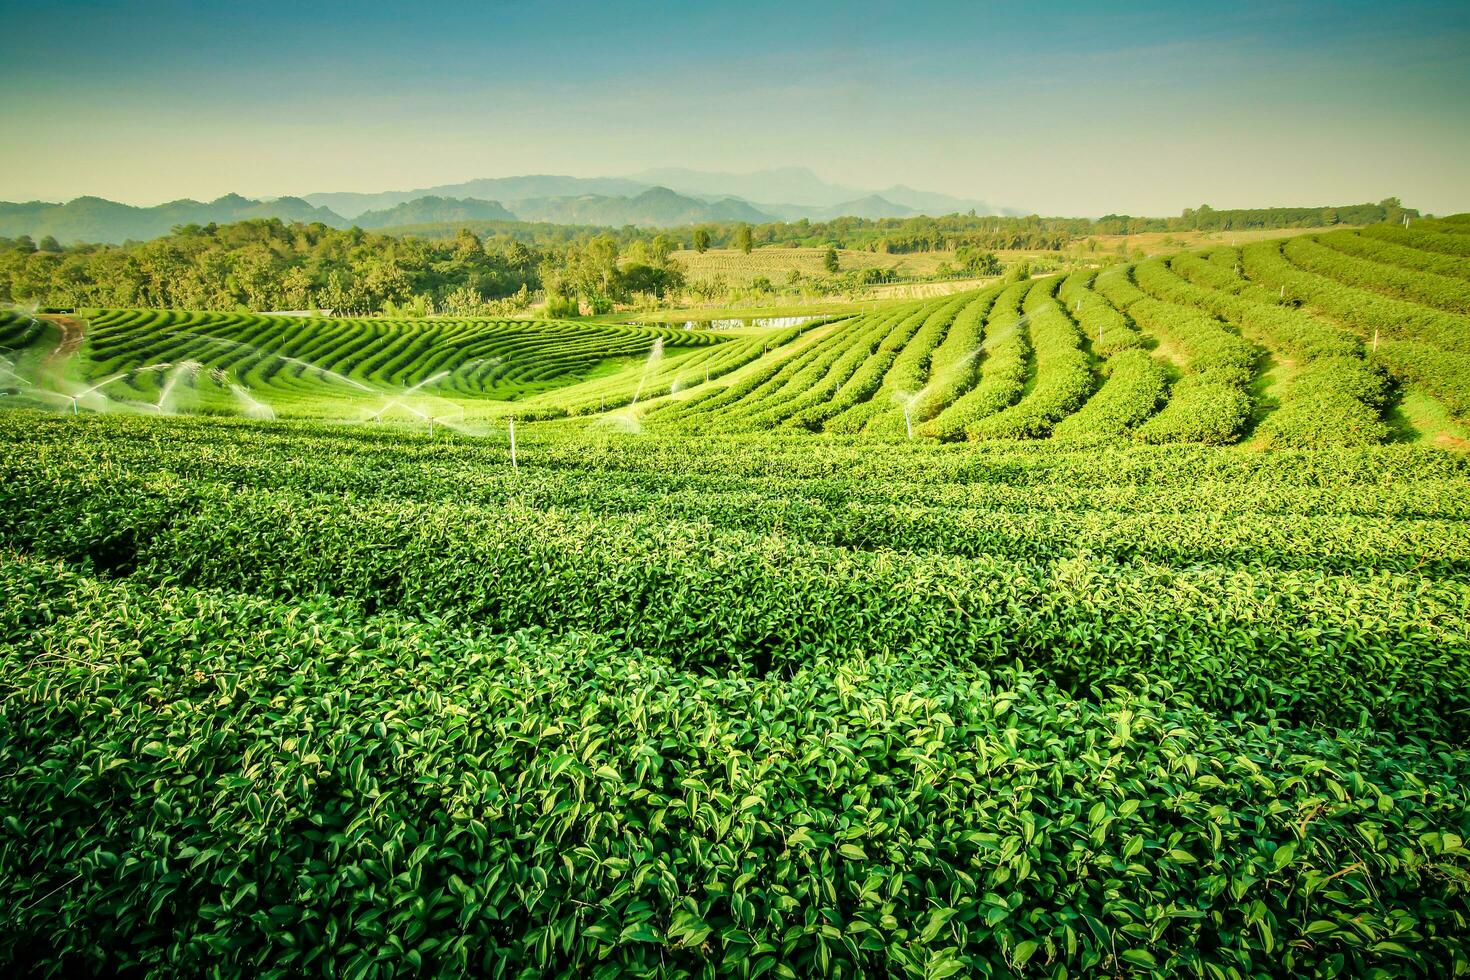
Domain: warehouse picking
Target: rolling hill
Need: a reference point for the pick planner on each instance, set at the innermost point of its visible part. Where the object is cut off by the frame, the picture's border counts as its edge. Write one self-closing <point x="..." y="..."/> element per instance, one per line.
<point x="433" y="210"/>
<point x="655" y="207"/>
<point x="93" y="219"/>
<point x="504" y="189"/>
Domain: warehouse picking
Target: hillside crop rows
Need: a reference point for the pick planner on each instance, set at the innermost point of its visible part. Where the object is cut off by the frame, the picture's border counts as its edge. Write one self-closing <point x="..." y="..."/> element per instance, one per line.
<point x="1307" y="341"/>
<point x="331" y="700"/>
<point x="301" y="364"/>
<point x="1167" y="350"/>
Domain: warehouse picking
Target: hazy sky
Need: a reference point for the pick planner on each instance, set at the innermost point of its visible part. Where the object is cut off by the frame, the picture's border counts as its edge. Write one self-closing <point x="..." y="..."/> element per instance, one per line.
<point x="1075" y="108"/>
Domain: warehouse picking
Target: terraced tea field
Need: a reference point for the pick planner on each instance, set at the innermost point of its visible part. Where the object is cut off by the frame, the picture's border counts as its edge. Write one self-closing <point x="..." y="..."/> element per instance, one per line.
<point x="1115" y="623"/>
<point x="1345" y="338"/>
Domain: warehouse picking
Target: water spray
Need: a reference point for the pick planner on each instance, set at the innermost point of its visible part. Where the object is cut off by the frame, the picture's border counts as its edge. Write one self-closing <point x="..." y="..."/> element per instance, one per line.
<point x="253" y="408"/>
<point x="173" y="380"/>
<point x="655" y="355"/>
<point x="427" y="381"/>
<point x="306" y="365"/>
<point x="9" y="368"/>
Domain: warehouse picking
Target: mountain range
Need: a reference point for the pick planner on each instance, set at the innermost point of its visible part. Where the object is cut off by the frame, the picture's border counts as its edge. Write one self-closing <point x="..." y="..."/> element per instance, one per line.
<point x="668" y="197"/>
<point x="784" y="194"/>
<point x="95" y="219"/>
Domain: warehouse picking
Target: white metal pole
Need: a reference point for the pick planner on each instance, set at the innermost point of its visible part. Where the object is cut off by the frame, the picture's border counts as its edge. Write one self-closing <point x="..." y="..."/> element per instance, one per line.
<point x="513" y="464"/>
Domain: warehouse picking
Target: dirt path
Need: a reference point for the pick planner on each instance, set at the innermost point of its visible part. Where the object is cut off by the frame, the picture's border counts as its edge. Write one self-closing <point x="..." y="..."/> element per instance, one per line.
<point x="73" y="332"/>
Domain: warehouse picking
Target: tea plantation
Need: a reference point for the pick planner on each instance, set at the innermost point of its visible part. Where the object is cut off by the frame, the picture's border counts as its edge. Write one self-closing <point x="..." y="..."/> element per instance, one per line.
<point x="1114" y="623"/>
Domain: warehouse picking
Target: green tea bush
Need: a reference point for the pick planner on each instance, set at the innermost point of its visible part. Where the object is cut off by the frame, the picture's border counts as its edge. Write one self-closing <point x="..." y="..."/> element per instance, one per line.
<point x="1377" y="249"/>
<point x="1420" y="239"/>
<point x="1334" y="401"/>
<point x="708" y="598"/>
<point x="1132" y="391"/>
<point x="1003" y="366"/>
<point x="205" y="783"/>
<point x="1417" y="286"/>
<point x="1062" y="383"/>
<point x="953" y="368"/>
<point x="1425" y="346"/>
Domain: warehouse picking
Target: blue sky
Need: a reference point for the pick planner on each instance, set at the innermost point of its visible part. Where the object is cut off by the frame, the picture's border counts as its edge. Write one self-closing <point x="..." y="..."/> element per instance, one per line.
<point x="1077" y="108"/>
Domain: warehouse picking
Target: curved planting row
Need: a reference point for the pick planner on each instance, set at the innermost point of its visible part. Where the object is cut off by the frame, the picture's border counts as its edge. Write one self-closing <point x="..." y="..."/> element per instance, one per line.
<point x="1105" y="327"/>
<point x="1421" y="239"/>
<point x="645" y="382"/>
<point x="857" y="391"/>
<point x="1426" y="288"/>
<point x="1134" y="385"/>
<point x="1021" y="361"/>
<point x="273" y="351"/>
<point x="17" y="330"/>
<point x="1063" y="375"/>
<point x="813" y="379"/>
<point x="1337" y="398"/>
<point x="954" y="365"/>
<point x="1004" y="361"/>
<point x="693" y="412"/>
<point x="1391" y="252"/>
<point x="1211" y="402"/>
<point x="883" y="411"/>
<point x="1424" y="346"/>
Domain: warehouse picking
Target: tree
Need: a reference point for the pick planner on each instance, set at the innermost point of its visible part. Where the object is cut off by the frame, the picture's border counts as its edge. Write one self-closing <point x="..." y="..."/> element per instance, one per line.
<point x="742" y="238"/>
<point x="25" y="244"/>
<point x="701" y="240"/>
<point x="49" y="244"/>
<point x="829" y="261"/>
<point x="978" y="263"/>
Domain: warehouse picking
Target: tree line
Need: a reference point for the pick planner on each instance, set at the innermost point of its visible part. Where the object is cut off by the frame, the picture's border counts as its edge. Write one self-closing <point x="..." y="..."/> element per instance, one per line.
<point x="495" y="268"/>
<point x="949" y="232"/>
<point x="266" y="265"/>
